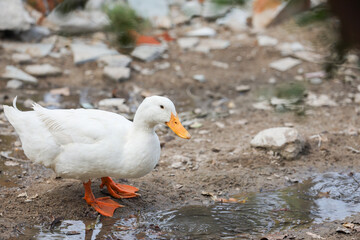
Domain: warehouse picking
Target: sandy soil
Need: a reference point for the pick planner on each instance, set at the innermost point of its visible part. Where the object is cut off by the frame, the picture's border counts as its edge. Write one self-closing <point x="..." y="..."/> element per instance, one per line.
<point x="219" y="160"/>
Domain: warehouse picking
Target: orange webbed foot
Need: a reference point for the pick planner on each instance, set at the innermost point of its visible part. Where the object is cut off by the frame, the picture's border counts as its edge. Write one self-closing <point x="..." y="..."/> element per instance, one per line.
<point x="105" y="206"/>
<point x="118" y="190"/>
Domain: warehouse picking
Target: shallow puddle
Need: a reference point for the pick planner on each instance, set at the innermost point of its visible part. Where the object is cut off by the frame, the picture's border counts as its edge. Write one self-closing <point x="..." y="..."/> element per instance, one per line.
<point x="326" y="197"/>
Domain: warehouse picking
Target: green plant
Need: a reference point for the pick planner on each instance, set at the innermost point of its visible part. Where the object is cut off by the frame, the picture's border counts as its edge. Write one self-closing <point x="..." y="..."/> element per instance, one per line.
<point x="70" y="5"/>
<point x="125" y="24"/>
<point x="290" y="91"/>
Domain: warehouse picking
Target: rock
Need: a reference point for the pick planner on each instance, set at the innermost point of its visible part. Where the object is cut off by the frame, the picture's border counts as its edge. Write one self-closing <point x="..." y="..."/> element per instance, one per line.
<point x="289" y="48"/>
<point x="78" y="21"/>
<point x="357" y="98"/>
<point x="199" y="77"/>
<point x="14" y="84"/>
<point x="162" y="66"/>
<point x="177" y="165"/>
<point x="21" y="58"/>
<point x="150" y="9"/>
<point x="202" y="32"/>
<point x="33" y="49"/>
<point x="43" y="70"/>
<point x="315" y="81"/>
<point x="266" y="41"/>
<point x="243" y="88"/>
<point x="236" y="19"/>
<point x="286" y="141"/>
<point x="319" y="101"/>
<point x="270" y="12"/>
<point x="115" y="60"/>
<point x="83" y="53"/>
<point x="117" y="73"/>
<point x="119" y="103"/>
<point x="284" y="64"/>
<point x="272" y="80"/>
<point x="213" y="10"/>
<point x="220" y="64"/>
<point x="148" y="53"/>
<point x="34" y="34"/>
<point x="309" y="56"/>
<point x="353" y="59"/>
<point x="14" y="16"/>
<point x="214" y="44"/>
<point x="187" y="43"/>
<point x="320" y="74"/>
<point x="192" y="8"/>
<point x="263" y="105"/>
<point x="12" y="72"/>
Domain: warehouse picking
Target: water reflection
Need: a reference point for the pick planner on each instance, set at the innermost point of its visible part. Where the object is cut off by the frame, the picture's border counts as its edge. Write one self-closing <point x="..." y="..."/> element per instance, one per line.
<point x="326" y="197"/>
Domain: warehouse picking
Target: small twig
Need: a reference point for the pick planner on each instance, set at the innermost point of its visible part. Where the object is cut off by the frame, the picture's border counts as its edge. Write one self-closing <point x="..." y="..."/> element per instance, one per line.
<point x="352" y="149"/>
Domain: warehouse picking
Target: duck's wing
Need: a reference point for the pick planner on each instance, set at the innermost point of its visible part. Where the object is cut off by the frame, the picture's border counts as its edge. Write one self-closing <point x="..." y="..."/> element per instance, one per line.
<point x="80" y="125"/>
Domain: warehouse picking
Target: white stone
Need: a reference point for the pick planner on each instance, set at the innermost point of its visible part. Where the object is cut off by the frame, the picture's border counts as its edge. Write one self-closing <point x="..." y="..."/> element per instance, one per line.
<point x="243" y="88"/>
<point x="119" y="103"/>
<point x="115" y="60"/>
<point x="319" y="101"/>
<point x="236" y="19"/>
<point x="287" y="48"/>
<point x="86" y="53"/>
<point x="148" y="53"/>
<point x="263" y="105"/>
<point x="21" y="58"/>
<point x="284" y="140"/>
<point x="218" y="64"/>
<point x="33" y="49"/>
<point x="13" y="16"/>
<point x="357" y="98"/>
<point x="202" y="32"/>
<point x="192" y="8"/>
<point x="150" y="8"/>
<point x="14" y="84"/>
<point x="78" y="21"/>
<point x="12" y="72"/>
<point x="214" y="44"/>
<point x="285" y="64"/>
<point x="213" y="10"/>
<point x="199" y="77"/>
<point x="42" y="70"/>
<point x="266" y="41"/>
<point x="187" y="43"/>
<point x="117" y="73"/>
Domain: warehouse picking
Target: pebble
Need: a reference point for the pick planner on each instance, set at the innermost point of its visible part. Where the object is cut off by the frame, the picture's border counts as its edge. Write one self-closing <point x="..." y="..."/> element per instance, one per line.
<point x="21" y="58"/>
<point x="117" y="73"/>
<point x="115" y="60"/>
<point x="187" y="43"/>
<point x="266" y="41"/>
<point x="196" y="125"/>
<point x="14" y="84"/>
<point x="176" y="165"/>
<point x="83" y="53"/>
<point x="43" y="70"/>
<point x="12" y="72"/>
<point x="220" y="64"/>
<point x="214" y="44"/>
<point x="119" y="103"/>
<point x="148" y="53"/>
<point x="199" y="77"/>
<point x="242" y="88"/>
<point x="202" y="32"/>
<point x="272" y="80"/>
<point x="315" y="81"/>
<point x="285" y="64"/>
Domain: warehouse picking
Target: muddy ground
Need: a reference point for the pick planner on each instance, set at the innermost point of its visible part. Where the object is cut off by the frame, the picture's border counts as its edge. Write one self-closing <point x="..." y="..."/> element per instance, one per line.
<point x="218" y="158"/>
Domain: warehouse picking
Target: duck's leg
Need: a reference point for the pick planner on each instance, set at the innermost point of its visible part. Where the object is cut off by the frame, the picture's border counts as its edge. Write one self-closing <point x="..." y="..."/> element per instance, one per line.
<point x="104" y="205"/>
<point x="118" y="190"/>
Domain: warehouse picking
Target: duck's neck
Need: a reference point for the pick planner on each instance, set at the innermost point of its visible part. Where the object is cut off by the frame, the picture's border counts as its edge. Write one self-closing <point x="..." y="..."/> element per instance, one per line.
<point x="142" y="123"/>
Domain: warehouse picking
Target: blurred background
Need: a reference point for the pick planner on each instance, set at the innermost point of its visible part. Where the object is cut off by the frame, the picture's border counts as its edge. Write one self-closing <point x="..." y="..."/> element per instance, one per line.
<point x="232" y="67"/>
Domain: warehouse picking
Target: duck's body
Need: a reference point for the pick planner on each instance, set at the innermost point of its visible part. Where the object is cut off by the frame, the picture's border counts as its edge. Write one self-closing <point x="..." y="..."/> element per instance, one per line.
<point x="84" y="144"/>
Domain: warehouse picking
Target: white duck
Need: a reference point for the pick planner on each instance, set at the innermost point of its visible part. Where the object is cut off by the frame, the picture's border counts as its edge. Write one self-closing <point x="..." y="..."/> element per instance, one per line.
<point x="84" y="144"/>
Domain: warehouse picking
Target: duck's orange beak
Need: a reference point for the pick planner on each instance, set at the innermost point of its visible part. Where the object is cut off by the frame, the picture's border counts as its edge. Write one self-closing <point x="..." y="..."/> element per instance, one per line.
<point x="175" y="125"/>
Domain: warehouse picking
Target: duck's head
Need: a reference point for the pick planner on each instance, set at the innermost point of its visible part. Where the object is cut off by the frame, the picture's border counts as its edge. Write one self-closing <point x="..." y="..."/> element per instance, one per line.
<point x="159" y="110"/>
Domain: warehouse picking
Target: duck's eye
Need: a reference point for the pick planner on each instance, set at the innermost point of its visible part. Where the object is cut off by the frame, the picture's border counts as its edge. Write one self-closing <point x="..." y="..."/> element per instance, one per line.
<point x="162" y="106"/>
